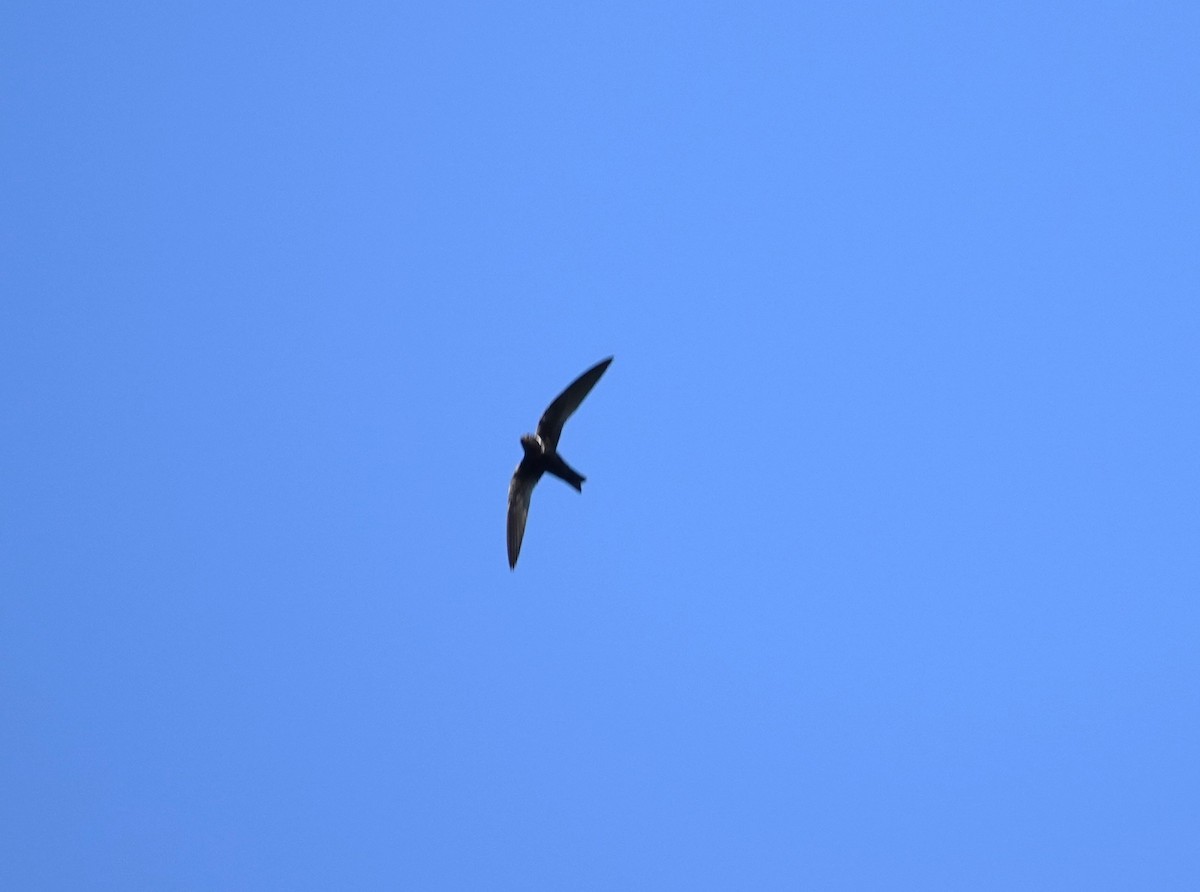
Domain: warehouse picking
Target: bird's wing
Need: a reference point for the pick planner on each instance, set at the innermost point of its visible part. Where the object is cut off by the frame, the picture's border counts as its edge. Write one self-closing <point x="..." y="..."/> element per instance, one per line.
<point x="519" y="491"/>
<point x="551" y="424"/>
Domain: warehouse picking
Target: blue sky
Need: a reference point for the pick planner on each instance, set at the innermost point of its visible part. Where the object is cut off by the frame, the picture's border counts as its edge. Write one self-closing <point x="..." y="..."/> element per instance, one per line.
<point x="885" y="574"/>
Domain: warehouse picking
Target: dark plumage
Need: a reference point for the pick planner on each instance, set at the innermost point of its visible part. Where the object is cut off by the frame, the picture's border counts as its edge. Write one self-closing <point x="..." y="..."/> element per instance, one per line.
<point x="541" y="456"/>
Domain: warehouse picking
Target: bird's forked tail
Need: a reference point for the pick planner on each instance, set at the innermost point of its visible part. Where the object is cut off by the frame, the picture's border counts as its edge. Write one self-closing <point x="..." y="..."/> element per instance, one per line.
<point x="564" y="471"/>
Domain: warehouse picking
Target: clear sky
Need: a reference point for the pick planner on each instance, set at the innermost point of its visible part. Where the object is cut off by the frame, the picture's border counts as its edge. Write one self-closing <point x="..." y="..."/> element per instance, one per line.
<point x="886" y="571"/>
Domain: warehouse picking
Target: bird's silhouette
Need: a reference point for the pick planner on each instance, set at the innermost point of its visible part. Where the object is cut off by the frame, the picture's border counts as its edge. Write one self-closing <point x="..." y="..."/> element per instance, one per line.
<point x="541" y="455"/>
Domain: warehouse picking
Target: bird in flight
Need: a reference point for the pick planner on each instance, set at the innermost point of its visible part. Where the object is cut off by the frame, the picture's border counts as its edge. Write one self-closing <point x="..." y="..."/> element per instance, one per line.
<point x="541" y="456"/>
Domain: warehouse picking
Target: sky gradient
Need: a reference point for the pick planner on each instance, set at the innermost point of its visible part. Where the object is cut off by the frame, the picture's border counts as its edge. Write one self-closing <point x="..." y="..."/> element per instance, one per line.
<point x="885" y="574"/>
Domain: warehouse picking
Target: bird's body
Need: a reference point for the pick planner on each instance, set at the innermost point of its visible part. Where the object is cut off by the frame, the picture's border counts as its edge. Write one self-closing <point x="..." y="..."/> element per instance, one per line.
<point x="541" y="456"/>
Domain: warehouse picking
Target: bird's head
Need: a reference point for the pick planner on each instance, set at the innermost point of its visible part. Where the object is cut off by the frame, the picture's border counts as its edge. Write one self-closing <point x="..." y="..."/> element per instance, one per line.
<point x="532" y="444"/>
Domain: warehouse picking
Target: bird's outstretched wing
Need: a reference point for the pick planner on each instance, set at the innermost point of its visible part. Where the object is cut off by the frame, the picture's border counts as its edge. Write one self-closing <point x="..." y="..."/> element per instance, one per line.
<point x="519" y="491"/>
<point x="550" y="425"/>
